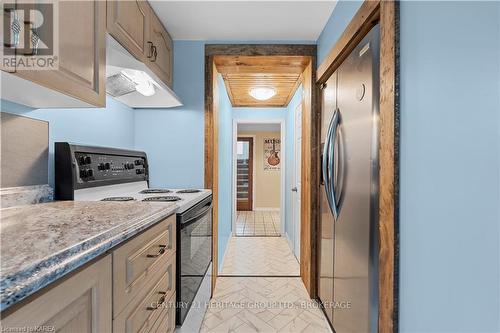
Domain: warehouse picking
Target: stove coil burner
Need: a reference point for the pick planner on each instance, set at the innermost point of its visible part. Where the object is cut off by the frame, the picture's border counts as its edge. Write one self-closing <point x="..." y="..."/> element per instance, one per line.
<point x="155" y="191"/>
<point x="118" y="199"/>
<point x="189" y="191"/>
<point x="166" y="198"/>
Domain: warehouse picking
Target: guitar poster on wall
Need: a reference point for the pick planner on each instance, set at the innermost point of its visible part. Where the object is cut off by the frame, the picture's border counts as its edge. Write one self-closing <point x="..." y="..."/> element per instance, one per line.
<point x="272" y="154"/>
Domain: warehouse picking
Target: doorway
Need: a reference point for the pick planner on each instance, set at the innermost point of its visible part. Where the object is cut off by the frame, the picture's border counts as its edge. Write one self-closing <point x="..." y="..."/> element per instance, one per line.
<point x="244" y="174"/>
<point x="240" y="68"/>
<point x="258" y="178"/>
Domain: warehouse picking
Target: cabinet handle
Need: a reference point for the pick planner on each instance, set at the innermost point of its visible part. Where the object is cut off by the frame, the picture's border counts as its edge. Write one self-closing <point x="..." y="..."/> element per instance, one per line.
<point x="154" y="53"/>
<point x="160" y="252"/>
<point x="160" y="301"/>
<point x="150" y="53"/>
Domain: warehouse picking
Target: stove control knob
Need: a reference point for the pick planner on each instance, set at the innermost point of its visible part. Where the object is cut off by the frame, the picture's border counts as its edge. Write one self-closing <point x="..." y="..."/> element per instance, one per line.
<point x="138" y="162"/>
<point x="90" y="173"/>
<point x="88" y="160"/>
<point x="101" y="166"/>
<point x="139" y="171"/>
<point x="83" y="173"/>
<point x="107" y="166"/>
<point x="81" y="160"/>
<point x="131" y="165"/>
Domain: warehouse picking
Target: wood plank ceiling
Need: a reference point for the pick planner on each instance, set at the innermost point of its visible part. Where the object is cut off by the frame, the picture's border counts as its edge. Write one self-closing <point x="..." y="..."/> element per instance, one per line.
<point x="242" y="73"/>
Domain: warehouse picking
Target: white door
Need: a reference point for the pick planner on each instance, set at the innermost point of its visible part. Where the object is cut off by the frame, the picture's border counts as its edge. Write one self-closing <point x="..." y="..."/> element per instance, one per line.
<point x="296" y="182"/>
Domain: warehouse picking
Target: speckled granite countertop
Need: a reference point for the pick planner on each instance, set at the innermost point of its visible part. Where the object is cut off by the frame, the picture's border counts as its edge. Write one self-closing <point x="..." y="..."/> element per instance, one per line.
<point x="41" y="243"/>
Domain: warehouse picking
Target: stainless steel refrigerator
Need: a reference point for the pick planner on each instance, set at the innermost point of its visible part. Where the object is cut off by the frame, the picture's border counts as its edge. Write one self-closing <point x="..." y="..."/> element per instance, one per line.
<point x="348" y="251"/>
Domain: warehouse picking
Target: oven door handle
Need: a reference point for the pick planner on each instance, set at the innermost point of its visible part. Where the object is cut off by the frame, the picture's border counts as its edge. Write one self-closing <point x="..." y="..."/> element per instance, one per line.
<point x="197" y="216"/>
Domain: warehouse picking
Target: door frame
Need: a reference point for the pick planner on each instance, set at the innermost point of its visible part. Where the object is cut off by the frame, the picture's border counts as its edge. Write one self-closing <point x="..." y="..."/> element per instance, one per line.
<point x="234" y="173"/>
<point x="385" y="13"/>
<point x="294" y="175"/>
<point x="235" y="135"/>
<point x="310" y="145"/>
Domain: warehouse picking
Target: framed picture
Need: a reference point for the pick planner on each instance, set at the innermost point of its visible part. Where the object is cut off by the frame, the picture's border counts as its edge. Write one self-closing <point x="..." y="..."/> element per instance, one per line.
<point x="272" y="154"/>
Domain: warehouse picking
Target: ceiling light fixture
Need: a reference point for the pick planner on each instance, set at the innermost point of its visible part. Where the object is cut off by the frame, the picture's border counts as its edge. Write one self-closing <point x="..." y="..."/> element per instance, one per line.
<point x="262" y="93"/>
<point x="144" y="84"/>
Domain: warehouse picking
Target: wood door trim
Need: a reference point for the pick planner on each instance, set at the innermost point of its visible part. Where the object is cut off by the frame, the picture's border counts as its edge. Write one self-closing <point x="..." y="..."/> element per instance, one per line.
<point x="387" y="14"/>
<point x="250" y="172"/>
<point x="310" y="148"/>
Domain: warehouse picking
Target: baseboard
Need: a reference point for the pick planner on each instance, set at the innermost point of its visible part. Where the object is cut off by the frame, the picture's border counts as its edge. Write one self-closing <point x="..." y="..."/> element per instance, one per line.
<point x="269" y="209"/>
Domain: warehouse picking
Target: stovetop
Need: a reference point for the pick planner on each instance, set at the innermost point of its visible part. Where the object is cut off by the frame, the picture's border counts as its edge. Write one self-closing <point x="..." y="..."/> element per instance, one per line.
<point x="139" y="191"/>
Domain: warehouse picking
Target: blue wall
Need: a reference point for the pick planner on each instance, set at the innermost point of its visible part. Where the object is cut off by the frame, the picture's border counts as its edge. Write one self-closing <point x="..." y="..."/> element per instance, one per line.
<point x="174" y="138"/>
<point x="111" y="126"/>
<point x="340" y="18"/>
<point x="225" y="169"/>
<point x="450" y="152"/>
<point x="290" y="161"/>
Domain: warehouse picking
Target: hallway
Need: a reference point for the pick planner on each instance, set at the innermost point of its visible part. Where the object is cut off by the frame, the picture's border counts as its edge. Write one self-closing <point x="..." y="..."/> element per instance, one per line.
<point x="260" y="290"/>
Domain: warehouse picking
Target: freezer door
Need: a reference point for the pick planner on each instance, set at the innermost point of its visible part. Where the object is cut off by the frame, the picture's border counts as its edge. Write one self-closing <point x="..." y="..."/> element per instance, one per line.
<point x="355" y="227"/>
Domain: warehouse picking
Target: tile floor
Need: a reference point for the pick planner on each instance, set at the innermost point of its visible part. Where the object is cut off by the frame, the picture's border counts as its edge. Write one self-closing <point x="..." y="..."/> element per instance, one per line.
<point x="262" y="304"/>
<point x="257" y="223"/>
<point x="259" y="256"/>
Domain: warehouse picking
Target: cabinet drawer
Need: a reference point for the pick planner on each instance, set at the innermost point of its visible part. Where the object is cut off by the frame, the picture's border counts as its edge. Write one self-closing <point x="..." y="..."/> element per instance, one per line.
<point x="135" y="262"/>
<point x="142" y="313"/>
<point x="166" y="320"/>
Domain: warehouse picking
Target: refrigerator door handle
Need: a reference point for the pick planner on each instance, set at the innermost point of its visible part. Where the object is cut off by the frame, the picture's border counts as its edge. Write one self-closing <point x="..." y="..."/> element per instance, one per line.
<point x="341" y="164"/>
<point x="325" y="167"/>
<point x="331" y="163"/>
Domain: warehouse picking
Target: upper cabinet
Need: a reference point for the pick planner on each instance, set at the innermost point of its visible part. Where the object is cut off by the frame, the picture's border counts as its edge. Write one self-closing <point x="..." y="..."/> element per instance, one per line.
<point x="137" y="28"/>
<point x="79" y="80"/>
<point x="161" y="56"/>
<point x="81" y="58"/>
<point x="128" y="23"/>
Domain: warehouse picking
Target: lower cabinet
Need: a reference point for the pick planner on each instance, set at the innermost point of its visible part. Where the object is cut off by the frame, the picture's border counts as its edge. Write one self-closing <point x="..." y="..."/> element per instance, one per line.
<point x="80" y="303"/>
<point x="141" y="272"/>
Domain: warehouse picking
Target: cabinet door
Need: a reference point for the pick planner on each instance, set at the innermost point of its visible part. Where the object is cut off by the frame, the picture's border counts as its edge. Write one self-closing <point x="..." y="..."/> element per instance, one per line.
<point x="82" y="53"/>
<point x="160" y="61"/>
<point x="128" y="23"/>
<point x="80" y="303"/>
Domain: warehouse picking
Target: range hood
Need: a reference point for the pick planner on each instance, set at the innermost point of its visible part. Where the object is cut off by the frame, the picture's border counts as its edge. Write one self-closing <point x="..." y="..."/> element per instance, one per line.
<point x="132" y="83"/>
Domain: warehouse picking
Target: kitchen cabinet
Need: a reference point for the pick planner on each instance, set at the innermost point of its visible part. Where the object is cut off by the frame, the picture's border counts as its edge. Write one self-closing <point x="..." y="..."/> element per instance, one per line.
<point x="80" y="303"/>
<point x="144" y="281"/>
<point x="81" y="71"/>
<point x="161" y="57"/>
<point x="131" y="289"/>
<point x="128" y="23"/>
<point x="137" y="28"/>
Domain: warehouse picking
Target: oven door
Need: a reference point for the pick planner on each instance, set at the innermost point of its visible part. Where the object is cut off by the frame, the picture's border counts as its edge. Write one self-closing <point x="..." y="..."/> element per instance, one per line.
<point x="194" y="254"/>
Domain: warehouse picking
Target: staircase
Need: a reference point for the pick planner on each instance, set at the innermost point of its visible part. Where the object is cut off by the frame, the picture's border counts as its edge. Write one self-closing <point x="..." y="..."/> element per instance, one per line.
<point x="242" y="180"/>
